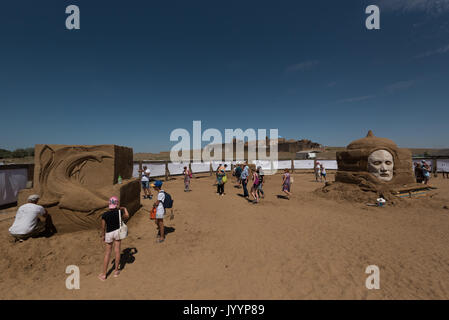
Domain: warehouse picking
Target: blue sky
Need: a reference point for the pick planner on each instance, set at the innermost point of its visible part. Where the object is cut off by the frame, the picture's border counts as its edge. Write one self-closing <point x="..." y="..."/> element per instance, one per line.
<point x="136" y="70"/>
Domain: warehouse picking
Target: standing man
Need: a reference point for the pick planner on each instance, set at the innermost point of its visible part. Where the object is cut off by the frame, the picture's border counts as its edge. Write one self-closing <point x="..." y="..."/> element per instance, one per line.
<point x="146" y="182"/>
<point x="27" y="223"/>
<point x="244" y="178"/>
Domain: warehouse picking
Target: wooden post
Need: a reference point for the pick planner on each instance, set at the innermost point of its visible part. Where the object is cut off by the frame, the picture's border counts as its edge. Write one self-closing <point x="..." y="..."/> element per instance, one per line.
<point x="190" y="168"/>
<point x="140" y="170"/>
<point x="434" y="167"/>
<point x="166" y="170"/>
<point x="211" y="168"/>
<point x="293" y="166"/>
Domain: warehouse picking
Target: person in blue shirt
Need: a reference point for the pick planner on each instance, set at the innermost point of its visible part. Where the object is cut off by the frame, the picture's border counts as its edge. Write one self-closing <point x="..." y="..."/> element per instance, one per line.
<point x="244" y="178"/>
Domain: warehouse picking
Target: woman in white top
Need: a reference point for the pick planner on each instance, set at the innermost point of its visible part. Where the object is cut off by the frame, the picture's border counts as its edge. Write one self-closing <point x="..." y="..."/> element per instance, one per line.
<point x="146" y="182"/>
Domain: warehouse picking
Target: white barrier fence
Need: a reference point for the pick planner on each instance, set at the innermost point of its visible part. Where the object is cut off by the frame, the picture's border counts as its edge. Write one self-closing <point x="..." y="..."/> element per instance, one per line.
<point x="11" y="182"/>
<point x="443" y="165"/>
<point x="158" y="169"/>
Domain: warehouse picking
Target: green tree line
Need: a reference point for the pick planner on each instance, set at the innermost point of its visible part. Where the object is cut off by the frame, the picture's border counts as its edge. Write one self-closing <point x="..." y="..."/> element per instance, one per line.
<point x="18" y="153"/>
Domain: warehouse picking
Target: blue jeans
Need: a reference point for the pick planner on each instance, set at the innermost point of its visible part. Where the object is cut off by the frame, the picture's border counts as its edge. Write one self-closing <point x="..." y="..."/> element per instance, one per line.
<point x="245" y="190"/>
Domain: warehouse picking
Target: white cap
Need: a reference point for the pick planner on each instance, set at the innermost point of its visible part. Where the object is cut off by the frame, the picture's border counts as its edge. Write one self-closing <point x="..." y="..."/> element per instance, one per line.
<point x="33" y="197"/>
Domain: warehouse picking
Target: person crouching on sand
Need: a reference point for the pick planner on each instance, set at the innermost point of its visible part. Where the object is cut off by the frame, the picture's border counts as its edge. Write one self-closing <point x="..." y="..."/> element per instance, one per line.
<point x="27" y="223"/>
<point x="110" y="225"/>
<point x="286" y="183"/>
<point x="160" y="213"/>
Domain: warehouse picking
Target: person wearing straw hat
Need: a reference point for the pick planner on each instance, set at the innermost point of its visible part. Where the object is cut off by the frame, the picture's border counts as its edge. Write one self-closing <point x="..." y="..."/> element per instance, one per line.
<point x="110" y="226"/>
<point x="27" y="222"/>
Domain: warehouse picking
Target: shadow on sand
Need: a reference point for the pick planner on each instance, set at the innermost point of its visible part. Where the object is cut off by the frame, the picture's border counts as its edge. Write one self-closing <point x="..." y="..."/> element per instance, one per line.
<point x="126" y="257"/>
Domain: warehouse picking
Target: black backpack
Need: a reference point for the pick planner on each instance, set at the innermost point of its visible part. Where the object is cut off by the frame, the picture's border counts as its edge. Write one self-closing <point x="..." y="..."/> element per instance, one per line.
<point x="168" y="201"/>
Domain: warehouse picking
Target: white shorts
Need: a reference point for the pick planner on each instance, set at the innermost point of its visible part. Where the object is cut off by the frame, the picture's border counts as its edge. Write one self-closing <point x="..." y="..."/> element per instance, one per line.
<point x="111" y="236"/>
<point x="160" y="214"/>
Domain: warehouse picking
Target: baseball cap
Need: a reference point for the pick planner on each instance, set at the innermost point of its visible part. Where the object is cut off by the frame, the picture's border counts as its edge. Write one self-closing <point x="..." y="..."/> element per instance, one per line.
<point x="113" y="202"/>
<point x="33" y="197"/>
<point x="157" y="184"/>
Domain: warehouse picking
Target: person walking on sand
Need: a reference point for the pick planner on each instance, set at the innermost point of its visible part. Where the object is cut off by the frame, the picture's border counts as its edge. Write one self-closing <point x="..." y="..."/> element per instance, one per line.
<point x="323" y="172"/>
<point x="160" y="210"/>
<point x="238" y="173"/>
<point x="260" y="192"/>
<point x="426" y="171"/>
<point x="145" y="180"/>
<point x="317" y="172"/>
<point x="220" y="183"/>
<point x="255" y="186"/>
<point x="187" y="177"/>
<point x="286" y="183"/>
<point x="244" y="178"/>
<point x="110" y="225"/>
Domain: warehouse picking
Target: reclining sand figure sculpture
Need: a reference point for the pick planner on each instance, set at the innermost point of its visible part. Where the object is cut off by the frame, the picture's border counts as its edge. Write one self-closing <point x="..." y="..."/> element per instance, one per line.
<point x="377" y="165"/>
<point x="75" y="182"/>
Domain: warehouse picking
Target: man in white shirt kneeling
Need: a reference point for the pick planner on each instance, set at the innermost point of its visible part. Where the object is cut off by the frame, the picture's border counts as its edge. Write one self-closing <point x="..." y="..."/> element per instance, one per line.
<point x="27" y="223"/>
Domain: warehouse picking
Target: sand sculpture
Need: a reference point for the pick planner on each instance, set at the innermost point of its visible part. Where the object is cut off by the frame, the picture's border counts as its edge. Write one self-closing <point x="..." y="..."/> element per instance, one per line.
<point x="75" y="182"/>
<point x="378" y="165"/>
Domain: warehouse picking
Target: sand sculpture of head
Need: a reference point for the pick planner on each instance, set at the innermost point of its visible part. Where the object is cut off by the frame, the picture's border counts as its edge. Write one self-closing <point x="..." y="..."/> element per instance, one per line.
<point x="375" y="163"/>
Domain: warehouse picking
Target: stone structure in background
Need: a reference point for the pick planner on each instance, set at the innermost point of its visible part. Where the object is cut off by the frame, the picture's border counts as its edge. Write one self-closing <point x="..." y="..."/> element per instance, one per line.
<point x="76" y="182"/>
<point x="376" y="164"/>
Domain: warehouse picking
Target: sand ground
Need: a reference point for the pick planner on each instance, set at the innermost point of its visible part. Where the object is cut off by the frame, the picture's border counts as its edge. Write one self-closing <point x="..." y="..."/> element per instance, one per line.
<point x="308" y="247"/>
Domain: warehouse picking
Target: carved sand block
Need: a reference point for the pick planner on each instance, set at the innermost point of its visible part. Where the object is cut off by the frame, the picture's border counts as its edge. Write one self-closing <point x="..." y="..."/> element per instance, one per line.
<point x="76" y="182"/>
<point x="378" y="165"/>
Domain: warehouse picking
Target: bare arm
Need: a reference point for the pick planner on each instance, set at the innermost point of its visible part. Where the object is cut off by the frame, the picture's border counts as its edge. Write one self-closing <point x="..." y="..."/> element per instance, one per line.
<point x="126" y="214"/>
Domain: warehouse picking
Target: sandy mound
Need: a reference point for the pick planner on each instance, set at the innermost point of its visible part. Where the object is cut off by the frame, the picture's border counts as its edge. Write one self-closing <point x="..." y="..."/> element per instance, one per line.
<point x="346" y="192"/>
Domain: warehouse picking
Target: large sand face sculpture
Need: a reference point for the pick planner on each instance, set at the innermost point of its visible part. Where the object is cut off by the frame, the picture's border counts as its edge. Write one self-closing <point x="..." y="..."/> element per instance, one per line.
<point x="75" y="182"/>
<point x="375" y="164"/>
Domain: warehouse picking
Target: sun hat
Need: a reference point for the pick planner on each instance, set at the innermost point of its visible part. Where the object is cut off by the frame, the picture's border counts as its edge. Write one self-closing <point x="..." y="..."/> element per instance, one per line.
<point x="113" y="202"/>
<point x="33" y="197"/>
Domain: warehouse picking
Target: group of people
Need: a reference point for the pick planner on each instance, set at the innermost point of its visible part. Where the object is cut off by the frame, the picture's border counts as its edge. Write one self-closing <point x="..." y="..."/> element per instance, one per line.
<point x="243" y="174"/>
<point x="320" y="172"/>
<point x="422" y="172"/>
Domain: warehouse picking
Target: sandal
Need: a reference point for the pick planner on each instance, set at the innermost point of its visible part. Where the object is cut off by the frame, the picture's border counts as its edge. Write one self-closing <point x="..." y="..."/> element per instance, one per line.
<point x="116" y="273"/>
<point x="102" y="277"/>
<point x="161" y="240"/>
